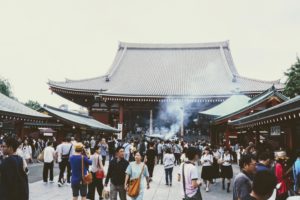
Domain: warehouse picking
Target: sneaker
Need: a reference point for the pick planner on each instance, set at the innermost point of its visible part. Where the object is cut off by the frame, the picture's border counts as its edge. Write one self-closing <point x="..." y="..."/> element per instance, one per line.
<point x="51" y="181"/>
<point x="68" y="183"/>
<point x="59" y="184"/>
<point x="207" y="190"/>
<point x="45" y="182"/>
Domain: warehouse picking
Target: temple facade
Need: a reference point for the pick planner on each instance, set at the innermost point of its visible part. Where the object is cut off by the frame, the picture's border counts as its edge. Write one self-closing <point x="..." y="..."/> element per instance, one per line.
<point x="155" y="87"/>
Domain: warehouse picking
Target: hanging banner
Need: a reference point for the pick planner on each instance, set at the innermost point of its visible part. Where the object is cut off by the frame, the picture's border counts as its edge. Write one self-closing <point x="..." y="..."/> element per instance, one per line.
<point x="275" y="131"/>
<point x="120" y="127"/>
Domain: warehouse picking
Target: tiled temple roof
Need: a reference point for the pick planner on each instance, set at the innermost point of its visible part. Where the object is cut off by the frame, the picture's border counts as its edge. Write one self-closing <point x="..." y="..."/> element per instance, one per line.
<point x="166" y="70"/>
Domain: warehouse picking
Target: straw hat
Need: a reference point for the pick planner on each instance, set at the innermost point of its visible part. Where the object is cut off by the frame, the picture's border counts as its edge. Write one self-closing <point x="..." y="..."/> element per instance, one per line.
<point x="78" y="147"/>
<point x="281" y="155"/>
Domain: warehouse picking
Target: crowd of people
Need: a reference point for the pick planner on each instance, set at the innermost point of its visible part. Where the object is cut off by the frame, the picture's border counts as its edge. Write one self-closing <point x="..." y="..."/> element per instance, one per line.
<point x="82" y="166"/>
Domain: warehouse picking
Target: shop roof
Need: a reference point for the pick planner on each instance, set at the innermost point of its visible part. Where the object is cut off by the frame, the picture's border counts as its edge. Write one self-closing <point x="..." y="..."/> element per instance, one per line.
<point x="14" y="108"/>
<point x="233" y="103"/>
<point x="290" y="106"/>
<point x="254" y="102"/>
<point x="79" y="119"/>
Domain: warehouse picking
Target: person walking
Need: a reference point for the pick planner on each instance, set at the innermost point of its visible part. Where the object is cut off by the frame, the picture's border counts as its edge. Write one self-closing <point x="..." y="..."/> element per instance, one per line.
<point x="65" y="152"/>
<point x="242" y="184"/>
<point x="127" y="149"/>
<point x="188" y="173"/>
<point x="150" y="159"/>
<point x="226" y="168"/>
<point x="296" y="174"/>
<point x="97" y="182"/>
<point x="207" y="169"/>
<point x="116" y="175"/>
<point x="77" y="161"/>
<point x="103" y="150"/>
<point x="280" y="173"/>
<point x="135" y="170"/>
<point x="177" y="150"/>
<point x="160" y="147"/>
<point x="13" y="179"/>
<point x="264" y="183"/>
<point x="169" y="160"/>
<point x="49" y="154"/>
<point x="27" y="152"/>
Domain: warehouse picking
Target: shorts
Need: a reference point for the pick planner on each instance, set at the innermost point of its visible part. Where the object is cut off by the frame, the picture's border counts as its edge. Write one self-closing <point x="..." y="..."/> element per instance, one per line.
<point x="76" y="188"/>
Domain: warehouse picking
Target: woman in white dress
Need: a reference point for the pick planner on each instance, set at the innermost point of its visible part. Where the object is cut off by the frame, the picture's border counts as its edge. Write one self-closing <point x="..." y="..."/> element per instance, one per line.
<point x="27" y="152"/>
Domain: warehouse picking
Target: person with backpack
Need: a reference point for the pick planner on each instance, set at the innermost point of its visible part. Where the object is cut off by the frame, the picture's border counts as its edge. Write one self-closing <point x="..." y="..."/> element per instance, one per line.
<point x="65" y="153"/>
<point x="13" y="178"/>
<point x="189" y="176"/>
<point x="296" y="173"/>
<point x="226" y="168"/>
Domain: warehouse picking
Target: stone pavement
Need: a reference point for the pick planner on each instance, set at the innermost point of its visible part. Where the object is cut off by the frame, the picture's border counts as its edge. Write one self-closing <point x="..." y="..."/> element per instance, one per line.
<point x="158" y="190"/>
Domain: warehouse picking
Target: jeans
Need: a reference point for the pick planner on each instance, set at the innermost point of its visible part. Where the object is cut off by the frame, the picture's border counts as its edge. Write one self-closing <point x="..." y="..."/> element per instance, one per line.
<point x="114" y="189"/>
<point x="96" y="184"/>
<point x="48" y="167"/>
<point x="62" y="167"/>
<point x="160" y="158"/>
<point x="169" y="173"/>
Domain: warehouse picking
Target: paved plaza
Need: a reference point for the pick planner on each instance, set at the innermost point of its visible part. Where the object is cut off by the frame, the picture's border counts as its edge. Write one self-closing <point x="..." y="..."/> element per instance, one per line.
<point x="158" y="190"/>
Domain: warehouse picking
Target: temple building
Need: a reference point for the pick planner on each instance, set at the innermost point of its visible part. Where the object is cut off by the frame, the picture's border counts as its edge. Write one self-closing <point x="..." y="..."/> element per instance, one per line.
<point x="146" y="79"/>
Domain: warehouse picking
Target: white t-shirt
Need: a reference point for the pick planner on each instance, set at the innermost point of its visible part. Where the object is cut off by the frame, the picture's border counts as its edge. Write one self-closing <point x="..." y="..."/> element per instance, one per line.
<point x="58" y="152"/>
<point x="227" y="159"/>
<point x="49" y="154"/>
<point x="207" y="160"/>
<point x="96" y="160"/>
<point x="190" y="173"/>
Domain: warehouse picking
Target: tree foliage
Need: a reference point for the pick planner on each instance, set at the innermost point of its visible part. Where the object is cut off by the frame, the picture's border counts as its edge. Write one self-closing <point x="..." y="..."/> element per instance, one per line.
<point x="33" y="104"/>
<point x="5" y="87"/>
<point x="292" y="87"/>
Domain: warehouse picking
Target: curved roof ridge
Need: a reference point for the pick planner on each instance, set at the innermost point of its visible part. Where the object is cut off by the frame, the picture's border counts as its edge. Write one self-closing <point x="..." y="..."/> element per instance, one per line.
<point x="258" y="80"/>
<point x="224" y="44"/>
<point x="71" y="80"/>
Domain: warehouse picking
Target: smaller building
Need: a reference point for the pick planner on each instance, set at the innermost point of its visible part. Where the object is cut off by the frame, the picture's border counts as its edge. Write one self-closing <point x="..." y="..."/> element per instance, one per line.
<point x="278" y="126"/>
<point x="235" y="108"/>
<point x="77" y="125"/>
<point x="18" y="119"/>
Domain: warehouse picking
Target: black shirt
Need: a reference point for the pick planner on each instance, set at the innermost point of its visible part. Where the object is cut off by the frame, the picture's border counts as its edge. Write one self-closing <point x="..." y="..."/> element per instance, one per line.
<point x="150" y="153"/>
<point x="116" y="171"/>
<point x="13" y="179"/>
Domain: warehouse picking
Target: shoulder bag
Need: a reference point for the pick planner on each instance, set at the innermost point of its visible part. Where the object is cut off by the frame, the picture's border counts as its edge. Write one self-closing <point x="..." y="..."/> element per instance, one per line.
<point x="86" y="179"/>
<point x="41" y="156"/>
<point x="100" y="173"/>
<point x="134" y="185"/>
<point x="197" y="196"/>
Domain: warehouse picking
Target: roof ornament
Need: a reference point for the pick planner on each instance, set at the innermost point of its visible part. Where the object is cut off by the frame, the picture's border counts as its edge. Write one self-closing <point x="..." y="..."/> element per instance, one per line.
<point x="107" y="79"/>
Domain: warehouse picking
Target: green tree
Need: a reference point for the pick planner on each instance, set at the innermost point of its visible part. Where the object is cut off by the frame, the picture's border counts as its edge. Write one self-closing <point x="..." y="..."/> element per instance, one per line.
<point x="5" y="87"/>
<point x="292" y="85"/>
<point x="33" y="104"/>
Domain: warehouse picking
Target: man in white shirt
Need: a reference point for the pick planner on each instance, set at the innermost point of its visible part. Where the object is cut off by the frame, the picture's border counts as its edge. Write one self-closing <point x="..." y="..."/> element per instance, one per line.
<point x="189" y="175"/>
<point x="49" y="154"/>
<point x="66" y="152"/>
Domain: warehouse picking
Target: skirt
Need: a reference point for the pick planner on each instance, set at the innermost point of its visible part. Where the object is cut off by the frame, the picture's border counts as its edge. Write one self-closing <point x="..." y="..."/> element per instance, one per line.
<point x="226" y="172"/>
<point x="207" y="173"/>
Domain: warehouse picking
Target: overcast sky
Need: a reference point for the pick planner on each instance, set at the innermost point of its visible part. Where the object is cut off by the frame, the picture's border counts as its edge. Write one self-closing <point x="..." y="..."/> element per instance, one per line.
<point x="58" y="39"/>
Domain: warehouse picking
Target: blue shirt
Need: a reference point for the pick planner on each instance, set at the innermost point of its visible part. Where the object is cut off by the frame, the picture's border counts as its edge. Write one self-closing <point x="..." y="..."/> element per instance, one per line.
<point x="76" y="163"/>
<point x="296" y="173"/>
<point x="261" y="167"/>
